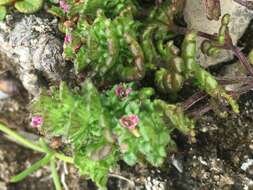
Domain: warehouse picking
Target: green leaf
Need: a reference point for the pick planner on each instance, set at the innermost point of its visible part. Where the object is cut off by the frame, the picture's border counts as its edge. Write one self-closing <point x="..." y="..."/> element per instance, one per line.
<point x="130" y="158"/>
<point x="97" y="170"/>
<point x="44" y="161"/>
<point x="92" y="98"/>
<point x="132" y="108"/>
<point x="28" y="6"/>
<point x="6" y="2"/>
<point x="80" y="62"/>
<point x="56" y="11"/>
<point x="2" y="12"/>
<point x="147" y="129"/>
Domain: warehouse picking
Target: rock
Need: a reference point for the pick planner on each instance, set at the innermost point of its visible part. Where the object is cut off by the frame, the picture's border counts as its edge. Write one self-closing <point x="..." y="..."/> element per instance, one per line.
<point x="247" y="166"/>
<point x="28" y="46"/>
<point x="3" y="186"/>
<point x="154" y="184"/>
<point x="195" y="17"/>
<point x="231" y="71"/>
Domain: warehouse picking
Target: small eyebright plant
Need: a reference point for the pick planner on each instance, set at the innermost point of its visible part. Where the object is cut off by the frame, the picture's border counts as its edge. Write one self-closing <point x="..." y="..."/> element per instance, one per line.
<point x="103" y="128"/>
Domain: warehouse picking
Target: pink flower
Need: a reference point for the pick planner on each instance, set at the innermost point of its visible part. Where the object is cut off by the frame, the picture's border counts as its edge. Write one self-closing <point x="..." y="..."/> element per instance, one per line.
<point x="77" y="47"/>
<point x="64" y="6"/>
<point x="122" y="92"/>
<point x="37" y="121"/>
<point x="68" y="38"/>
<point x="130" y="121"/>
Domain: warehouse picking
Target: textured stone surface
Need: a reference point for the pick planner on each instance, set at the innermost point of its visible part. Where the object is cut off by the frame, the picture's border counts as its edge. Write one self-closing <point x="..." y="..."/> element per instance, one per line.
<point x="195" y="17"/>
<point x="28" y="46"/>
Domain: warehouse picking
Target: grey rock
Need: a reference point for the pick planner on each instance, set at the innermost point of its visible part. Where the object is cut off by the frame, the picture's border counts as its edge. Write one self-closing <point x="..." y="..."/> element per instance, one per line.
<point x="231" y="71"/>
<point x="28" y="46"/>
<point x="3" y="186"/>
<point x="3" y="95"/>
<point x="195" y="17"/>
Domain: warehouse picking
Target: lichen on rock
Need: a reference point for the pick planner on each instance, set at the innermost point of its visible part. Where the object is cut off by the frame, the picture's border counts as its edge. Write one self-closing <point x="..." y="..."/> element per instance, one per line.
<point x="29" y="46"/>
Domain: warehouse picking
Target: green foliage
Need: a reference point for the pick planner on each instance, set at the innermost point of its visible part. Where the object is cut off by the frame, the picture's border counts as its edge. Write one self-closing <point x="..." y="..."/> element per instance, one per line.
<point x="105" y="38"/>
<point x="41" y="146"/>
<point x="2" y="12"/>
<point x="28" y="6"/>
<point x="92" y="123"/>
<point x="205" y="80"/>
<point x="112" y="40"/>
<point x="211" y="47"/>
<point x="110" y="47"/>
<point x="23" y="6"/>
<point x="44" y="161"/>
<point x="117" y="46"/>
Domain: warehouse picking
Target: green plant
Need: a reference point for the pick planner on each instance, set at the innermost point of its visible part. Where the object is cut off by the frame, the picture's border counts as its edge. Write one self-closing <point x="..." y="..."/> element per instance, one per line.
<point x="50" y="156"/>
<point x="103" y="128"/>
<point x="111" y="40"/>
<point x="123" y="46"/>
<point x="23" y="6"/>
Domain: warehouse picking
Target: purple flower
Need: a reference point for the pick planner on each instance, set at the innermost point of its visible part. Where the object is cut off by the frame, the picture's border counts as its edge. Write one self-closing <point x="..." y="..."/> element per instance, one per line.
<point x="64" y="6"/>
<point x="37" y="121"/>
<point x="130" y="121"/>
<point x="68" y="38"/>
<point x="122" y="92"/>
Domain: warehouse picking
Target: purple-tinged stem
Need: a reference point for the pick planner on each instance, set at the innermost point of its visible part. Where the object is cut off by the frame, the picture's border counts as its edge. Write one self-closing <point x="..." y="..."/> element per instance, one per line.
<point x="243" y="60"/>
<point x="193" y="100"/>
<point x="247" y="4"/>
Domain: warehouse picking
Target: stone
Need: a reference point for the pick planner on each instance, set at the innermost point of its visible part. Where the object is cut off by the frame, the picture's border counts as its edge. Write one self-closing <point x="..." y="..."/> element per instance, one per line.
<point x="29" y="46"/>
<point x="196" y="19"/>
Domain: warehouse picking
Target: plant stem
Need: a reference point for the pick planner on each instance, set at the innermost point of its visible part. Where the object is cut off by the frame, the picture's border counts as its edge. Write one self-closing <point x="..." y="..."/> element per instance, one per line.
<point x="20" y="139"/>
<point x="55" y="176"/>
<point x="32" y="145"/>
<point x="44" y="161"/>
<point x="64" y="158"/>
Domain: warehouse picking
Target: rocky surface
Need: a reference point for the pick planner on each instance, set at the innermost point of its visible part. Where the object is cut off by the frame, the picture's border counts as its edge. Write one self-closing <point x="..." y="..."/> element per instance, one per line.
<point x="195" y="17"/>
<point x="29" y="47"/>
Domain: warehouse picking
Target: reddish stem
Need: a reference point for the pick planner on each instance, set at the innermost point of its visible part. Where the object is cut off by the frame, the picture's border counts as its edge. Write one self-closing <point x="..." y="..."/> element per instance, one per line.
<point x="193" y="100"/>
<point x="247" y="4"/>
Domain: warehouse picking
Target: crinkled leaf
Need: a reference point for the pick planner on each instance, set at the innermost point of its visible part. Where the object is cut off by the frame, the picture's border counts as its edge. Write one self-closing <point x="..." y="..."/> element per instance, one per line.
<point x="28" y="6"/>
<point x="2" y="12"/>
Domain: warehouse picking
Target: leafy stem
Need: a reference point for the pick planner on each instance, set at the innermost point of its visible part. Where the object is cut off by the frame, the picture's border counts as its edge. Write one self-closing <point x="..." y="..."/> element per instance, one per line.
<point x="55" y="175"/>
<point x="21" y="139"/>
<point x="34" y="146"/>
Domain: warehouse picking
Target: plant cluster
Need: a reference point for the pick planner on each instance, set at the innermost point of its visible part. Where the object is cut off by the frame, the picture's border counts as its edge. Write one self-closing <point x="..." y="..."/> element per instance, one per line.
<point x="115" y="43"/>
<point x="120" y="124"/>
<point x="119" y="40"/>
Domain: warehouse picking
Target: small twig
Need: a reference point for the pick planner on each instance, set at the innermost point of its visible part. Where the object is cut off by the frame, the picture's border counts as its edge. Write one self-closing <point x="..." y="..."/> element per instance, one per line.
<point x="243" y="60"/>
<point x="234" y="80"/>
<point x="207" y="107"/>
<point x="193" y="100"/>
<point x="63" y="175"/>
<point x="131" y="182"/>
<point x="200" y="111"/>
<point x="31" y="145"/>
<point x="247" y="4"/>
